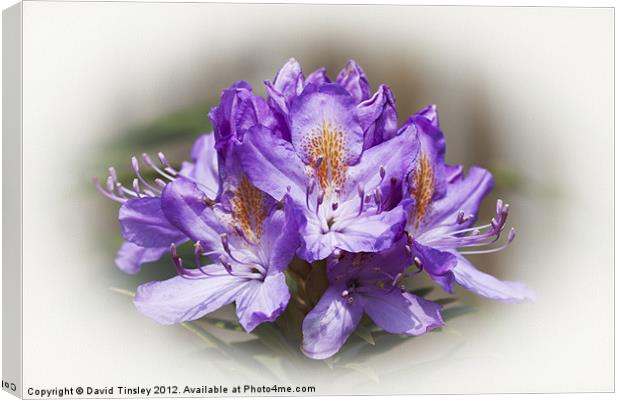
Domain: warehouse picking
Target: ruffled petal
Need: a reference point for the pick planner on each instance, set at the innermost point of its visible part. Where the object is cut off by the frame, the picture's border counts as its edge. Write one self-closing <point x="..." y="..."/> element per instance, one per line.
<point x="289" y="80"/>
<point x="185" y="207"/>
<point x="488" y="286"/>
<point x="272" y="164"/>
<point x="378" y="117"/>
<point x="130" y="256"/>
<point x="318" y="77"/>
<point x="354" y="80"/>
<point x="262" y="301"/>
<point x="324" y="123"/>
<point x="143" y="223"/>
<point x="330" y="323"/>
<point x="402" y="313"/>
<point x="180" y="299"/>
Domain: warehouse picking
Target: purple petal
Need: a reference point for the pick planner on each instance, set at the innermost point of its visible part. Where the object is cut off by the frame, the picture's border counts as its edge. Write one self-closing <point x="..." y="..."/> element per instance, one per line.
<point x="371" y="266"/>
<point x="438" y="264"/>
<point x="330" y="323"/>
<point x="263" y="301"/>
<point x="394" y="155"/>
<point x="378" y="117"/>
<point x="185" y="207"/>
<point x="366" y="233"/>
<point x="318" y="77"/>
<point x="354" y="80"/>
<point x="272" y="164"/>
<point x="143" y="223"/>
<point x="224" y="116"/>
<point x="323" y="120"/>
<point x="464" y="193"/>
<point x="281" y="235"/>
<point x="289" y="81"/>
<point x="430" y="113"/>
<point x="488" y="286"/>
<point x="180" y="299"/>
<point x="429" y="170"/>
<point x="130" y="256"/>
<point x="402" y="313"/>
<point x="205" y="168"/>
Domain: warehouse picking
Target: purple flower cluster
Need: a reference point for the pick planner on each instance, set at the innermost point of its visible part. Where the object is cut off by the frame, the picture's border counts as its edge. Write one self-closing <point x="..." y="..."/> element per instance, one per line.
<point x="318" y="170"/>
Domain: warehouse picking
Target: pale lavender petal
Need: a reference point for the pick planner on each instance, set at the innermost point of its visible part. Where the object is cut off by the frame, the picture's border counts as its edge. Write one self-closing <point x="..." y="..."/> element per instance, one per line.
<point x="143" y="223"/>
<point x="180" y="299"/>
<point x="488" y="286"/>
<point x="402" y="313"/>
<point x="323" y="118"/>
<point x="205" y="168"/>
<point x="330" y="323"/>
<point x="354" y="80"/>
<point x="260" y="302"/>
<point x="130" y="256"/>
<point x="371" y="232"/>
<point x="272" y="164"/>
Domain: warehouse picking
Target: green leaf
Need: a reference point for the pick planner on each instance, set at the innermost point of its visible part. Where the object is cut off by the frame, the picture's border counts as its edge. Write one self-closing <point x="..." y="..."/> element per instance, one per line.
<point x="422" y="291"/>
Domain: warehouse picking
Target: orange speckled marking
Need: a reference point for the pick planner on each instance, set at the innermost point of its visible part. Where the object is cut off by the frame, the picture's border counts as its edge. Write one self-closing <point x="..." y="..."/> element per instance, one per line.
<point x="327" y="141"/>
<point x="423" y="188"/>
<point x="248" y="209"/>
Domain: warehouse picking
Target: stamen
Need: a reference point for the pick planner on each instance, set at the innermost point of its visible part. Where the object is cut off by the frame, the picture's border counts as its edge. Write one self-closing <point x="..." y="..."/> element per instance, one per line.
<point x="378" y="200"/>
<point x="109" y="194"/>
<point x="319" y="201"/>
<point x="360" y="193"/>
<point x="418" y="263"/>
<point x="382" y="172"/>
<point x="334" y="206"/>
<point x="136" y="169"/>
<point x="309" y="190"/>
<point x="136" y="188"/>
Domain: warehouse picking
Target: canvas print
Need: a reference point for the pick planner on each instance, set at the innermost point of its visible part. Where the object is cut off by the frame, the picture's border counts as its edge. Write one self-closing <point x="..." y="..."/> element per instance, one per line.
<point x="231" y="199"/>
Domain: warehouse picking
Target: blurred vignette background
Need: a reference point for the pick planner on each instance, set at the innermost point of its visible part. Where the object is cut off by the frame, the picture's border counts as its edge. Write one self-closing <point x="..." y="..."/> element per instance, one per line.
<point x="524" y="92"/>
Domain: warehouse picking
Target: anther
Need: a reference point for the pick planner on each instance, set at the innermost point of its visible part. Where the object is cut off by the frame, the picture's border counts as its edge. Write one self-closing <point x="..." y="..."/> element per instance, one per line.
<point x="344" y="293"/>
<point x="382" y="172"/>
<point x="408" y="250"/>
<point x="417" y="262"/>
<point x="334" y="206"/>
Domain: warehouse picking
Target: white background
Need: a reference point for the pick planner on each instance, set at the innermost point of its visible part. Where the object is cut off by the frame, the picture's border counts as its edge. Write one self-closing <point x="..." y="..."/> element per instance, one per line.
<point x="549" y="143"/>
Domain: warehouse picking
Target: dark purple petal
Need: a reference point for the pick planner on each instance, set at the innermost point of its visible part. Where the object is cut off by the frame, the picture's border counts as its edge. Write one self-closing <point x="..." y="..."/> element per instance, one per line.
<point x="180" y="299"/>
<point x="272" y="164"/>
<point x="185" y="207"/>
<point x="378" y="117"/>
<point x="354" y="80"/>
<point x="324" y="123"/>
<point x="488" y="286"/>
<point x="370" y="267"/>
<point x="330" y="323"/>
<point x="318" y="77"/>
<point x="143" y="223"/>
<point x="402" y="313"/>
<point x="438" y="264"/>
<point x="260" y="302"/>
<point x="130" y="256"/>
